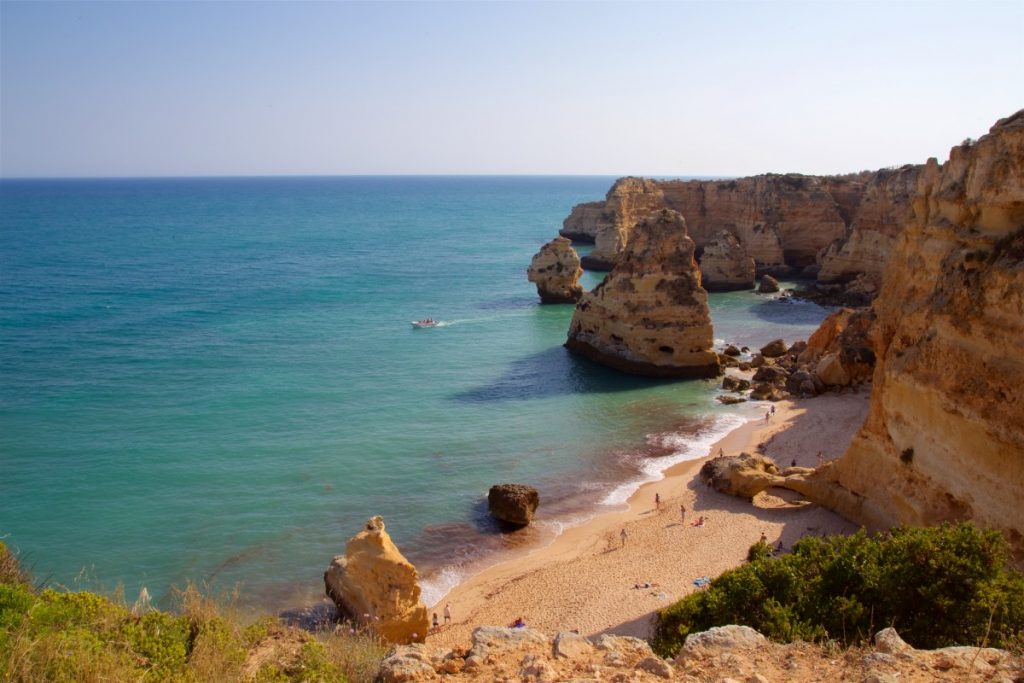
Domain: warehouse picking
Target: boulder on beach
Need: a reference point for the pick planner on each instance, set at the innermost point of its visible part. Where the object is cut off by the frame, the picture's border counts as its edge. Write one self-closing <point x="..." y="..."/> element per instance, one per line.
<point x="769" y="285"/>
<point x="774" y="349"/>
<point x="373" y="584"/>
<point x="513" y="503"/>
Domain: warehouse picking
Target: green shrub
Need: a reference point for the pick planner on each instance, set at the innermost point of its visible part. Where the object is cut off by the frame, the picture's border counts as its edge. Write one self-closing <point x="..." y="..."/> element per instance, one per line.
<point x="939" y="586"/>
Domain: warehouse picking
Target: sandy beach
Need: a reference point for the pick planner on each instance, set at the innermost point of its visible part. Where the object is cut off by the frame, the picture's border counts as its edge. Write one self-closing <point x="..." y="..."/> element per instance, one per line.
<point x="586" y="578"/>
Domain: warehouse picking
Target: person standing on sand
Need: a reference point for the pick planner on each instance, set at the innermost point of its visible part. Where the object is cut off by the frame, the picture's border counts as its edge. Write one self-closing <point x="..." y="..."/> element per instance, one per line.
<point x="821" y="458"/>
<point x="435" y="622"/>
<point x="721" y="452"/>
<point x="767" y="416"/>
<point x="682" y="513"/>
<point x="657" y="501"/>
<point x="622" y="537"/>
<point x="773" y="410"/>
<point x="447" y="612"/>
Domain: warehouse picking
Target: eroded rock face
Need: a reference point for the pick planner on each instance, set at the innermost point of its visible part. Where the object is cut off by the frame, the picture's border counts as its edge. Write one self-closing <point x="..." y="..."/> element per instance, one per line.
<point x="513" y="503"/>
<point x="650" y="315"/>
<point x="948" y="389"/>
<point x="725" y="264"/>
<point x="628" y="201"/>
<point x="878" y="218"/>
<point x="842" y="349"/>
<point x="555" y="269"/>
<point x="374" y="584"/>
<point x="584" y="222"/>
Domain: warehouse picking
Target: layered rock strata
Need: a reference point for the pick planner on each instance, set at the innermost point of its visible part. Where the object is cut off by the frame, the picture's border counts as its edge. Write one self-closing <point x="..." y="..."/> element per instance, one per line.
<point x="373" y="584"/>
<point x="555" y="269"/>
<point x="650" y="315"/>
<point x="944" y="437"/>
<point x="725" y="264"/>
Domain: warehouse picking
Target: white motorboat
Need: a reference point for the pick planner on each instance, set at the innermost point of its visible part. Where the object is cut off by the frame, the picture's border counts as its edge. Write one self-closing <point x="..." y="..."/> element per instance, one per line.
<point x="426" y="322"/>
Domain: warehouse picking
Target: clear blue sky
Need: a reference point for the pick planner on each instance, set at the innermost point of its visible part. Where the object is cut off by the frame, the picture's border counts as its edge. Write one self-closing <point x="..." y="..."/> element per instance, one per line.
<point x="685" y="88"/>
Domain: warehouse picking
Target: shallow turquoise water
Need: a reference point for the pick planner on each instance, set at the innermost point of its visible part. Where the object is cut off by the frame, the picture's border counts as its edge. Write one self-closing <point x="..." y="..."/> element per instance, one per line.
<point x="216" y="379"/>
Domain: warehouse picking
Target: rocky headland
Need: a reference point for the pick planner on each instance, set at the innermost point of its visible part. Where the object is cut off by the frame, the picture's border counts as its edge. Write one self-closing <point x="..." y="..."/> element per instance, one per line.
<point x="650" y="315"/>
<point x="944" y="438"/>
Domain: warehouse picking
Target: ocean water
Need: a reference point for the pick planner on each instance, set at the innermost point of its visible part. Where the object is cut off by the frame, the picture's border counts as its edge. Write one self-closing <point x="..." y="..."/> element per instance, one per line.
<point x="215" y="380"/>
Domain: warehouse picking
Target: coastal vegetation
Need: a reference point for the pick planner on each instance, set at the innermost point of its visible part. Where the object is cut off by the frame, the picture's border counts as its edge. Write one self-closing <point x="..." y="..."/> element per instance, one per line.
<point x="937" y="586"/>
<point x="55" y="635"/>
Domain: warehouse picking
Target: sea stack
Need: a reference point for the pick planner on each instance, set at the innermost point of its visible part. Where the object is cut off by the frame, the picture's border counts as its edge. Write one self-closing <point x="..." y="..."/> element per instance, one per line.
<point x="650" y="315"/>
<point x="944" y="437"/>
<point x="373" y="584"/>
<point x="555" y="269"/>
<point x="725" y="264"/>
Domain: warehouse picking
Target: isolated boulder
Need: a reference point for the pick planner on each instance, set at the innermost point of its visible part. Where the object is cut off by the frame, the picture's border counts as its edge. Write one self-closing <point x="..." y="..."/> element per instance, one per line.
<point x="769" y="285"/>
<point x="556" y="271"/>
<point x="373" y="584"/>
<point x="513" y="503"/>
<point x="774" y="349"/>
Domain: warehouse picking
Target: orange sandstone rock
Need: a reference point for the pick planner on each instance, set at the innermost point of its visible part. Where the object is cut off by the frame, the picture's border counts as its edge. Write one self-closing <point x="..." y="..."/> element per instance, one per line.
<point x="650" y="315"/>
<point x="555" y="269"/>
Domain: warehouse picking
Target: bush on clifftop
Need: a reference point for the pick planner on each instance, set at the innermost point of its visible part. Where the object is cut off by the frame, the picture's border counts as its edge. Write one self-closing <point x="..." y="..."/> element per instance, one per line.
<point x="939" y="586"/>
<point x="50" y="635"/>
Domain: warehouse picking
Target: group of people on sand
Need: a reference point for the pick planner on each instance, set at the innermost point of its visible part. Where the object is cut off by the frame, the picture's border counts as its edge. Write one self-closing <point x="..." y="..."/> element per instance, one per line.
<point x="435" y="622"/>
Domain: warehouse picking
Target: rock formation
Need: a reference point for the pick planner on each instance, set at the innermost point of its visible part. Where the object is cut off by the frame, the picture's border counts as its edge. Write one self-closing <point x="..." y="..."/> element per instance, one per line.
<point x="944" y="437"/>
<point x="372" y="583"/>
<point x="768" y="285"/>
<point x="584" y="222"/>
<point x="650" y="315"/>
<point x="555" y="269"/>
<point x="882" y="213"/>
<point x="513" y="503"/>
<point x="628" y="201"/>
<point x="724" y="653"/>
<point x="725" y="265"/>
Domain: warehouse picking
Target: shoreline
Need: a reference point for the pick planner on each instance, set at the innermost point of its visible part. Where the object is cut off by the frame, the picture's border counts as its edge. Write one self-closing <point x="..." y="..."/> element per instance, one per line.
<point x="585" y="577"/>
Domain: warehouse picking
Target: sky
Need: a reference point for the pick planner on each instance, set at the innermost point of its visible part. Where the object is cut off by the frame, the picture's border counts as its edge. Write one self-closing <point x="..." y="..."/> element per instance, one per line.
<point x="338" y="88"/>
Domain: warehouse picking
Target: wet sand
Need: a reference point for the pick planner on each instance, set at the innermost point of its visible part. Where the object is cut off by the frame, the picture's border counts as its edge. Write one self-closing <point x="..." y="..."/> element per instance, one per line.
<point x="586" y="578"/>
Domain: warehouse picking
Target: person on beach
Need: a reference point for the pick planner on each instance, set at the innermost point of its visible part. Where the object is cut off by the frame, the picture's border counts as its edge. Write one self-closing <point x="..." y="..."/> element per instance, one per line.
<point x="767" y="416"/>
<point x="447" y="612"/>
<point x="436" y="622"/>
<point x="657" y="501"/>
<point x="622" y="537"/>
<point x="793" y="464"/>
<point x="773" y="410"/>
<point x="682" y="513"/>
<point x="764" y="539"/>
<point x="821" y="458"/>
<point x="721" y="452"/>
<point x="699" y="522"/>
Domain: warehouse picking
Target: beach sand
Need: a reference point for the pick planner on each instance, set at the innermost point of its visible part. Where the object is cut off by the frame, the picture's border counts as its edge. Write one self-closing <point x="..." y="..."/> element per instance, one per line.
<point x="585" y="579"/>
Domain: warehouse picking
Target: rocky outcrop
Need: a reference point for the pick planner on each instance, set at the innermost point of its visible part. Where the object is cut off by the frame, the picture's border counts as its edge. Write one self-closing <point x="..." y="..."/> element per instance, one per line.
<point x="584" y="222"/>
<point x="628" y="201"/>
<point x="944" y="437"/>
<point x="768" y="285"/>
<point x="650" y="315"/>
<point x="724" y="653"/>
<point x="555" y="269"/>
<point x="513" y="503"/>
<point x="841" y="351"/>
<point x="883" y="212"/>
<point x="725" y="264"/>
<point x="373" y="584"/>
<point x="782" y="221"/>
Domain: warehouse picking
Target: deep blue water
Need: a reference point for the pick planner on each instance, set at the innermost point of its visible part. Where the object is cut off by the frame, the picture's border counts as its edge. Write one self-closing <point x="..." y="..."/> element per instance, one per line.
<point x="216" y="379"/>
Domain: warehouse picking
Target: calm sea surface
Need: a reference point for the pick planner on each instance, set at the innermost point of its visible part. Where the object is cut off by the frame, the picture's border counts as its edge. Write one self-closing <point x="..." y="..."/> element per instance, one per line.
<point x="216" y="379"/>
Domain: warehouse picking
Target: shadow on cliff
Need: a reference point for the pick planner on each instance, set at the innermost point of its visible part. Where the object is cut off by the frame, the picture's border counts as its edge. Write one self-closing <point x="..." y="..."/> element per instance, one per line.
<point x="553" y="372"/>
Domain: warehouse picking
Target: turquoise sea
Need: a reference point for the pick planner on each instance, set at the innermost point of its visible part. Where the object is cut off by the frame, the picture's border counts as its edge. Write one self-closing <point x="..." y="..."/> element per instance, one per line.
<point x="216" y="379"/>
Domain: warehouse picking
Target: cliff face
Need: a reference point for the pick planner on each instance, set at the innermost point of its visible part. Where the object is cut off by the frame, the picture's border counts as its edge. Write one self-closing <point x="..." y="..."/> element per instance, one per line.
<point x="944" y="438"/>
<point x="779" y="219"/>
<point x="885" y="208"/>
<point x="725" y="265"/>
<point x="650" y="315"/>
<point x="555" y="269"/>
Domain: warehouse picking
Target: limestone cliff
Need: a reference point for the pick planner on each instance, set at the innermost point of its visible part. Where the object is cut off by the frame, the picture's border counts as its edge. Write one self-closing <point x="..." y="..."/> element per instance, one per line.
<point x="374" y="584"/>
<point x="584" y="222"/>
<point x="944" y="437"/>
<point x="783" y="221"/>
<point x="650" y="315"/>
<point x="628" y="201"/>
<point x="555" y="269"/>
<point x="725" y="264"/>
<point x="878" y="218"/>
